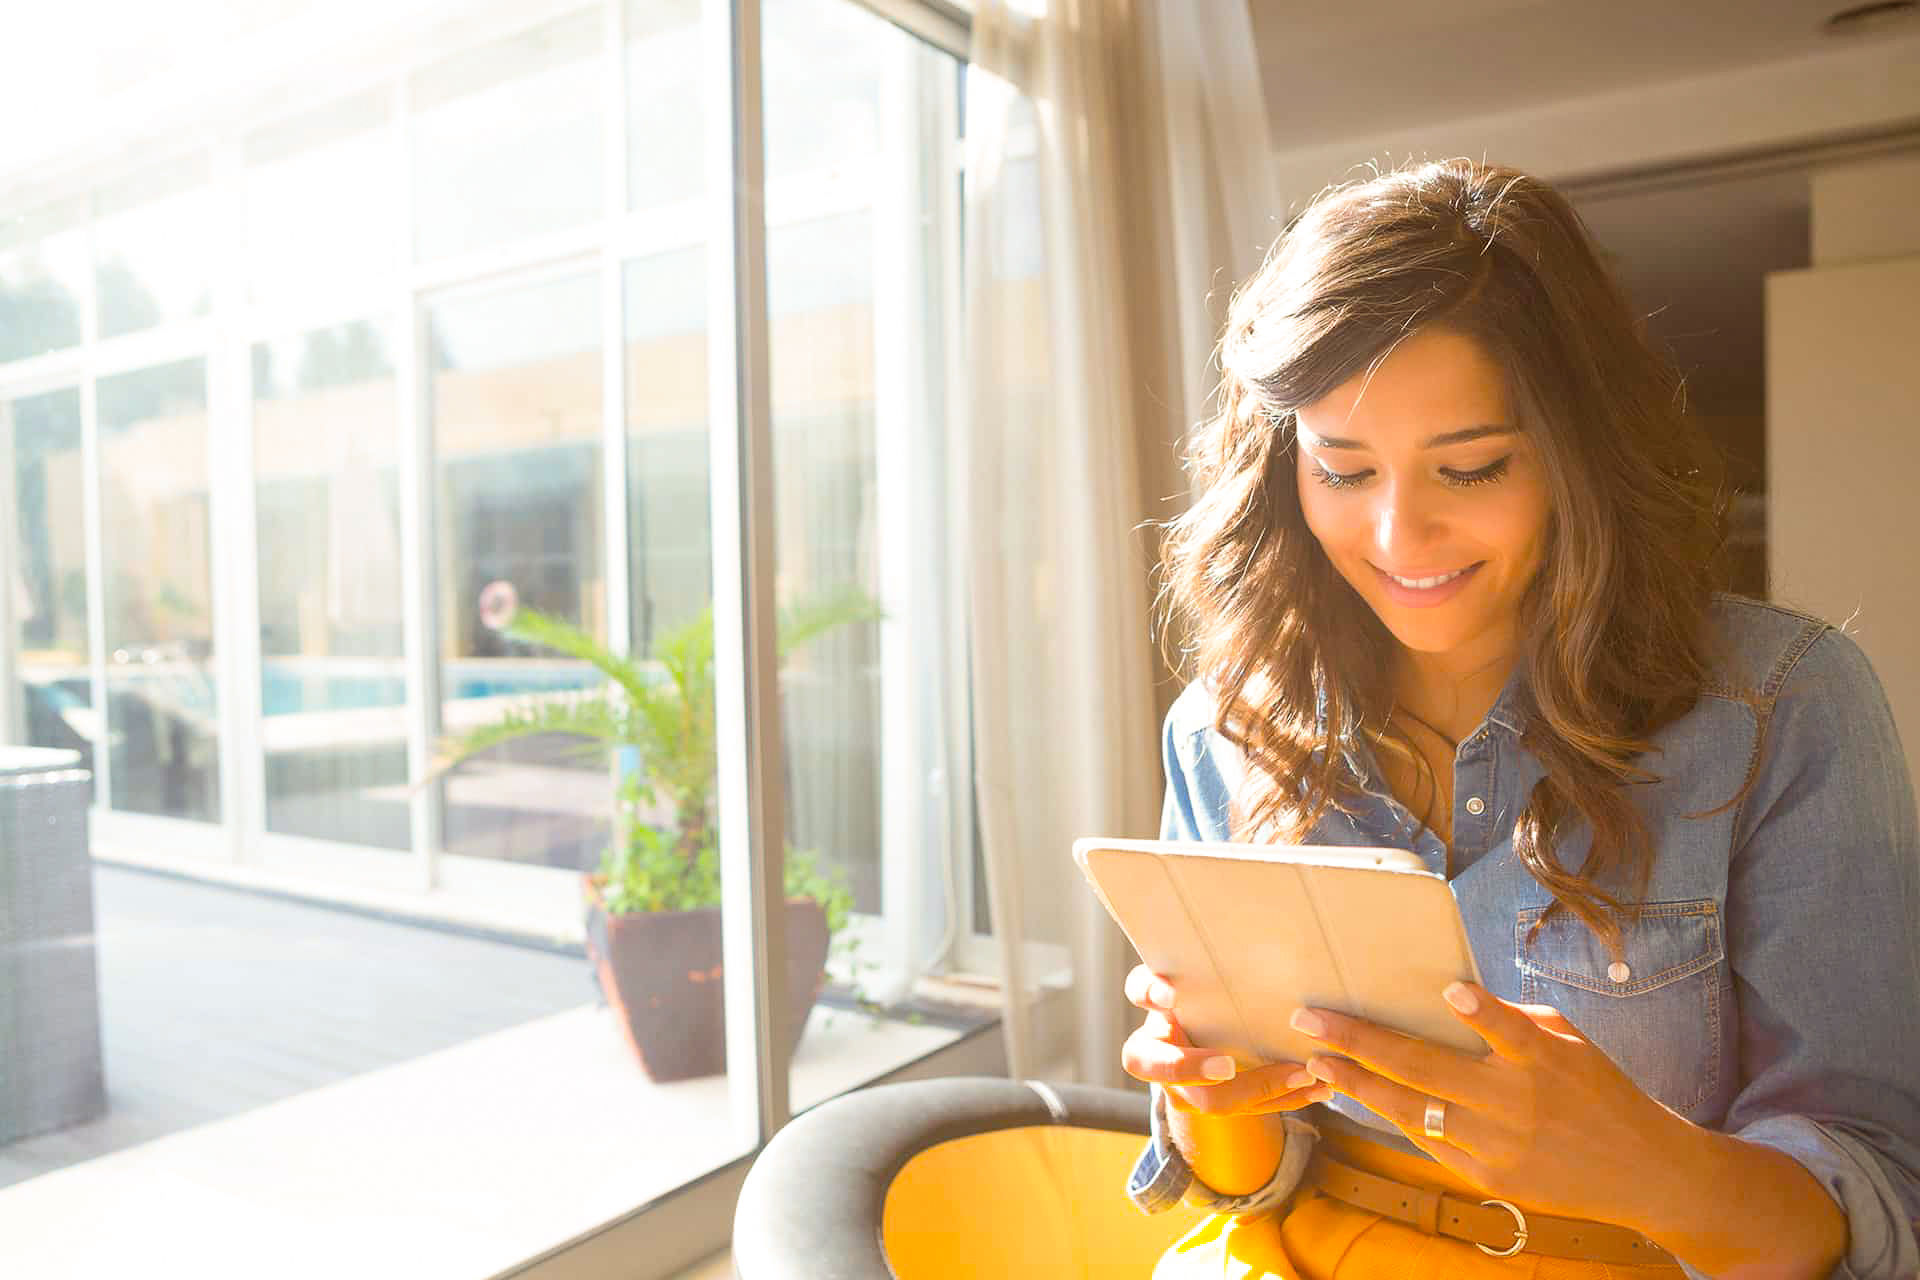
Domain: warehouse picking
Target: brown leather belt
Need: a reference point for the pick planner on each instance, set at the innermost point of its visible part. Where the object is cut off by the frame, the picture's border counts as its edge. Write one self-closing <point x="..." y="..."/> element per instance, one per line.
<point x="1497" y="1227"/>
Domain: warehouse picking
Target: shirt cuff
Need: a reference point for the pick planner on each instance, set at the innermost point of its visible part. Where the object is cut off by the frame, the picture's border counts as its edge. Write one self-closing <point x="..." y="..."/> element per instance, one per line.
<point x="1162" y="1177"/>
<point x="1880" y="1225"/>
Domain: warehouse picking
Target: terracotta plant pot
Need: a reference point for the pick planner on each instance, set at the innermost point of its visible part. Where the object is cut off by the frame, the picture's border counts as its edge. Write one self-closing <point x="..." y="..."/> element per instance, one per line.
<point x="661" y="972"/>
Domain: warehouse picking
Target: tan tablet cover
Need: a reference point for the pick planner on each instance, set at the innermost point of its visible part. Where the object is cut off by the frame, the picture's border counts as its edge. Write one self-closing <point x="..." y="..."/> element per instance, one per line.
<point x="1248" y="933"/>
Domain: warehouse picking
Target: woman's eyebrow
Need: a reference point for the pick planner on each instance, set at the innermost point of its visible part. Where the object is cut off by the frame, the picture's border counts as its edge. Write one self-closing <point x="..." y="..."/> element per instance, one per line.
<point x="1462" y="436"/>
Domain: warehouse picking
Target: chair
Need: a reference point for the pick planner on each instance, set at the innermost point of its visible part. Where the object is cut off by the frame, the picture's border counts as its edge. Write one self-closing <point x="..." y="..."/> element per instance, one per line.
<point x="959" y="1177"/>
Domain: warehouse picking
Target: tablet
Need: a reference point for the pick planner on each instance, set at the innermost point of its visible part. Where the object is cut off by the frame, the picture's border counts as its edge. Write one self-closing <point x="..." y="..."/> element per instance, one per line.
<point x="1248" y="933"/>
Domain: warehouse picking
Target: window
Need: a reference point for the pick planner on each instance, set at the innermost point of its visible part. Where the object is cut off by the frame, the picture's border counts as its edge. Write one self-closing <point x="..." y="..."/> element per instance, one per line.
<point x="157" y="578"/>
<point x="287" y="415"/>
<point x="43" y="273"/>
<point x="322" y="195"/>
<point x="517" y="442"/>
<point x="862" y="278"/>
<point x="506" y="139"/>
<point x="326" y="452"/>
<point x="153" y="243"/>
<point x="50" y="572"/>
<point x="668" y="517"/>
<point x="666" y="166"/>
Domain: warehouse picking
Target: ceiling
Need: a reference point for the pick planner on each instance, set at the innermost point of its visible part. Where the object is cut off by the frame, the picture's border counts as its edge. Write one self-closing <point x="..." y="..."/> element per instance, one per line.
<point x="1344" y="70"/>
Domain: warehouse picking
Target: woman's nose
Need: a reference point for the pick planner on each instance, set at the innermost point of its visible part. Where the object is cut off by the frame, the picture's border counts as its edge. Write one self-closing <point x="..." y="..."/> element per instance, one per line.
<point x="1402" y="528"/>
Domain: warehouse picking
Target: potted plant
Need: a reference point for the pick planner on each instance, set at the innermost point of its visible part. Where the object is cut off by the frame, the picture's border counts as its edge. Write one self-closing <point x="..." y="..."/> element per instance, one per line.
<point x="653" y="906"/>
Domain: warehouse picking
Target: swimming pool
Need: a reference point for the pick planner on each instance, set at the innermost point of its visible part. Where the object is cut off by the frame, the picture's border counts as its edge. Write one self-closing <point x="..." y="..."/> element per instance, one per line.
<point x="290" y="690"/>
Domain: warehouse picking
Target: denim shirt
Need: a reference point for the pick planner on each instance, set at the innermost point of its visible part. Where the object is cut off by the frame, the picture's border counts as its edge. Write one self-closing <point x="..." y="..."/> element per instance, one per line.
<point x="1772" y="989"/>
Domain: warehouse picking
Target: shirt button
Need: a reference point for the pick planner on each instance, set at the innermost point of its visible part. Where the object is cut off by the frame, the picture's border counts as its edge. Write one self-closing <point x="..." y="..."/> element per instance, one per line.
<point x="1619" y="972"/>
<point x="1476" y="806"/>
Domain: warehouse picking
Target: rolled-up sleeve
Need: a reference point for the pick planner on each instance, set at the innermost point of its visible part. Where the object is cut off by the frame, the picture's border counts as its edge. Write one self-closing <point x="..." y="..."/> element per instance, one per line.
<point x="1162" y="1177"/>
<point x="1195" y="808"/>
<point x="1823" y="913"/>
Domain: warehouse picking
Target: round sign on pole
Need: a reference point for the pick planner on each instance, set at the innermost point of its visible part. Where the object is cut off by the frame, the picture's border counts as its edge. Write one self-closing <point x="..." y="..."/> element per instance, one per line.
<point x="498" y="603"/>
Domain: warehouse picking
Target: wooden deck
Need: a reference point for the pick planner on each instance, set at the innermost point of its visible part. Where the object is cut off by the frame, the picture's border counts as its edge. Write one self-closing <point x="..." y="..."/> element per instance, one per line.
<point x="216" y="1001"/>
<point x="352" y="1143"/>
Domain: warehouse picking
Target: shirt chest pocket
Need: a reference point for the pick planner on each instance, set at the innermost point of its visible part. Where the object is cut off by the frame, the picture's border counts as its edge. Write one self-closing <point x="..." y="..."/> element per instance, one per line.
<point x="1656" y="1013"/>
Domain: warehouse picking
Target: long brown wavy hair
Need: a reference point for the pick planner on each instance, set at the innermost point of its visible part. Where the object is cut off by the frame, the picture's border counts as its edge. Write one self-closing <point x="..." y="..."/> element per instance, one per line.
<point x="1613" y="626"/>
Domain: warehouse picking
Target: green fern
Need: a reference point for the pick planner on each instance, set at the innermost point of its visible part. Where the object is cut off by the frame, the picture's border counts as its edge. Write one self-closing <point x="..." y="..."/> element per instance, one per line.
<point x="664" y="710"/>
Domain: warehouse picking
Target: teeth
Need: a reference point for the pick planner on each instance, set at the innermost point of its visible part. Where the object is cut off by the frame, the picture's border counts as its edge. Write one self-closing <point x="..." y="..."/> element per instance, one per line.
<point x="1424" y="584"/>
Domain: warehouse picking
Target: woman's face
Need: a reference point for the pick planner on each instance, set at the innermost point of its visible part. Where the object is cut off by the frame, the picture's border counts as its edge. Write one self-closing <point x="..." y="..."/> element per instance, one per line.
<point x="1427" y="498"/>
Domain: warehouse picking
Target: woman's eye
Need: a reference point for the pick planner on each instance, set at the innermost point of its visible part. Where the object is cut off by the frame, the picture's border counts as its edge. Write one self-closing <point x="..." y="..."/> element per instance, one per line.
<point x="1483" y="475"/>
<point x="1336" y="480"/>
<point x="1459" y="479"/>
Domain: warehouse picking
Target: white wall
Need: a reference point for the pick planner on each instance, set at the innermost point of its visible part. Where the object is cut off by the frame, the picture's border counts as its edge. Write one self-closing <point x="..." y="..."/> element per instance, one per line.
<point x="1843" y="418"/>
<point x="1865" y="212"/>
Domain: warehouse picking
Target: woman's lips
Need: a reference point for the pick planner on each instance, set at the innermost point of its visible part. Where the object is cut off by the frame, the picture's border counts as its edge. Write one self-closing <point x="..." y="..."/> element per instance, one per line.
<point x="1426" y="597"/>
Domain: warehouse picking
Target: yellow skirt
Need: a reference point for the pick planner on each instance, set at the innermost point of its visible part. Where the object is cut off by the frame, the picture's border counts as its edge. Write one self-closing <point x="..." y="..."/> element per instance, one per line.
<point x="1321" y="1238"/>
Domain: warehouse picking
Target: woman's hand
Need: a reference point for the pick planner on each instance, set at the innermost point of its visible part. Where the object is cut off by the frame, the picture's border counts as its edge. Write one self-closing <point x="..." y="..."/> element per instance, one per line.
<point x="1200" y="1080"/>
<point x="1545" y="1116"/>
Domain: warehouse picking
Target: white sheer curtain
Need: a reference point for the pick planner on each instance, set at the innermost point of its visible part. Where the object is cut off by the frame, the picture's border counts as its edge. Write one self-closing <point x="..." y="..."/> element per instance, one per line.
<point x="1135" y="139"/>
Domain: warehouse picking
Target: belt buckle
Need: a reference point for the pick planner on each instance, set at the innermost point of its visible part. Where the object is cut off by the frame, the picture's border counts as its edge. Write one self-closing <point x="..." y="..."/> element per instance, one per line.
<point x="1519" y="1232"/>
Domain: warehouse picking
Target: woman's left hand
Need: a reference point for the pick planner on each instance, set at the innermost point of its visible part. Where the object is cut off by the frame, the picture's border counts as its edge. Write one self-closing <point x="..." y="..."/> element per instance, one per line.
<point x="1545" y="1117"/>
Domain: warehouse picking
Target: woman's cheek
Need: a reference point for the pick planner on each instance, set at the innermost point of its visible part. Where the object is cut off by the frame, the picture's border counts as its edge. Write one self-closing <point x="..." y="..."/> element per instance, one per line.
<point x="1328" y="529"/>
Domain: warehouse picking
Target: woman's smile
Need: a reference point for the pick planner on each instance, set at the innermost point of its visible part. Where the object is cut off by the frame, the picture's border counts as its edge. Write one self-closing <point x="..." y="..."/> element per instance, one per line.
<point x="1425" y="590"/>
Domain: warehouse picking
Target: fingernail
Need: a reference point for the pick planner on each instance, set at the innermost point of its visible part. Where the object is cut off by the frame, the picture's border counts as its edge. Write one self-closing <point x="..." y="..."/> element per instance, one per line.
<point x="1461" y="997"/>
<point x="1220" y="1068"/>
<point x="1307" y="1023"/>
<point x="1322" y="1094"/>
<point x="1320" y="1069"/>
<point x="1161" y="994"/>
<point x="1301" y="1079"/>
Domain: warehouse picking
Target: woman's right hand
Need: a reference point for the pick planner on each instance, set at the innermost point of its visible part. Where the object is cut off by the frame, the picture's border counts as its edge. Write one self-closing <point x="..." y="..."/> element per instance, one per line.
<point x="1200" y="1080"/>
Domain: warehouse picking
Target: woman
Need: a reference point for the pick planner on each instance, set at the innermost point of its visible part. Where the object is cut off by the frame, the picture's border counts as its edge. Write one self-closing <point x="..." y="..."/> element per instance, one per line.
<point x="1448" y="589"/>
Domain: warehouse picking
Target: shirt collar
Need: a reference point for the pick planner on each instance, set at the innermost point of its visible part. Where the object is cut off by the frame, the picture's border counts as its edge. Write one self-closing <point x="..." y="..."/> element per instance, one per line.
<point x="1506" y="710"/>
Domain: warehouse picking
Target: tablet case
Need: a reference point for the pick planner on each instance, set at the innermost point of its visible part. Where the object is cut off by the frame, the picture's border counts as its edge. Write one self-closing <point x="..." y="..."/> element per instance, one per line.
<point x="1248" y="933"/>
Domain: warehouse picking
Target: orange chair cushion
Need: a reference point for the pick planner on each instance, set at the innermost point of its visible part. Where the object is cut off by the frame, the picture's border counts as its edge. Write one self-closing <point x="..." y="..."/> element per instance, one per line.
<point x="1043" y="1200"/>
